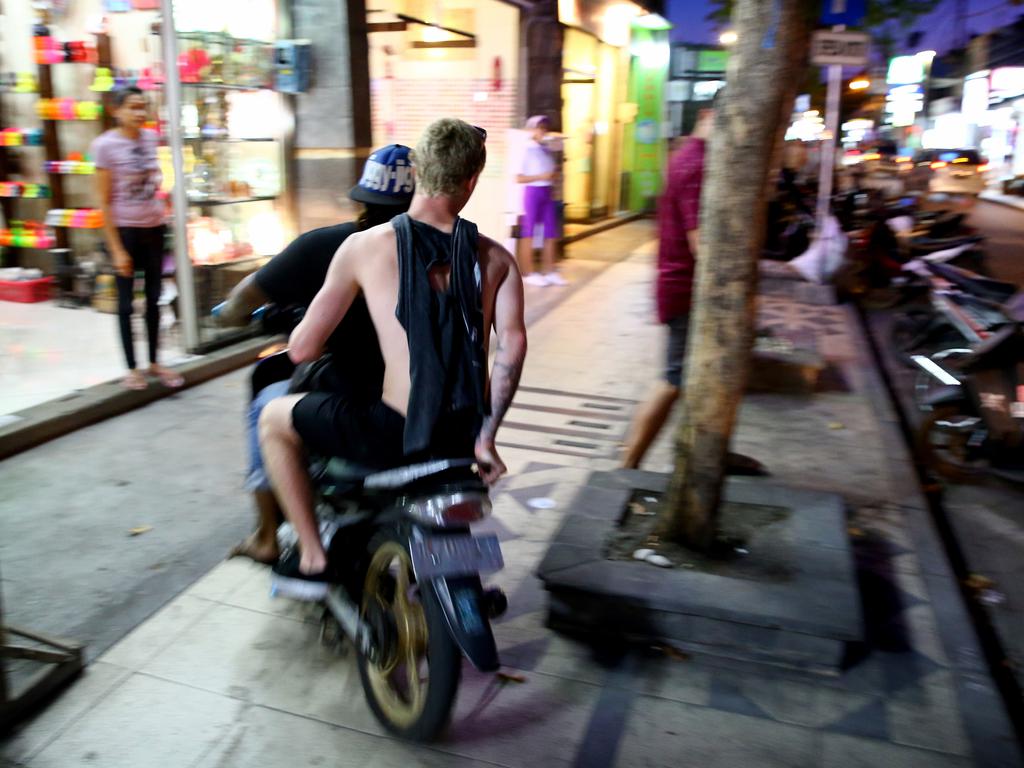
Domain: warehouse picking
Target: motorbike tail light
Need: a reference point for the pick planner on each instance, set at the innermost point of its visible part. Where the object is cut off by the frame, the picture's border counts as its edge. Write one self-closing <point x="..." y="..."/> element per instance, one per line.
<point x="938" y="164"/>
<point x="983" y="167"/>
<point x="449" y="509"/>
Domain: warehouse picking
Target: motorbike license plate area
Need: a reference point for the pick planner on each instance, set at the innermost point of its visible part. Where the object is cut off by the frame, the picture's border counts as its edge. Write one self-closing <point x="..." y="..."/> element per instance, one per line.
<point x="460" y="555"/>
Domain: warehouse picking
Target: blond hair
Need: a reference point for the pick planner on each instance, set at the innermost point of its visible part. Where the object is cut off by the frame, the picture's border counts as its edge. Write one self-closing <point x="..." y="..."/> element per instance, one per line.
<point x="449" y="153"/>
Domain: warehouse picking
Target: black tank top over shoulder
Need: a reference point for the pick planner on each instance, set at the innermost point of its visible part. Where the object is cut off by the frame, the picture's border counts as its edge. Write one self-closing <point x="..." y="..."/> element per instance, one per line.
<point x="447" y="365"/>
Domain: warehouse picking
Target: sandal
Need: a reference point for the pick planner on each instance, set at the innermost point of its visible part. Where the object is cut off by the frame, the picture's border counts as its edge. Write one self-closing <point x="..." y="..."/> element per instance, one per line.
<point x="134" y="380"/>
<point x="170" y="379"/>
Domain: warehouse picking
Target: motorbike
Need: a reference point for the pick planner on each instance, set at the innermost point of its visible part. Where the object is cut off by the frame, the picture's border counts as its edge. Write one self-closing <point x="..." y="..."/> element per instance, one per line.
<point x="405" y="575"/>
<point x="964" y="308"/>
<point x="975" y="423"/>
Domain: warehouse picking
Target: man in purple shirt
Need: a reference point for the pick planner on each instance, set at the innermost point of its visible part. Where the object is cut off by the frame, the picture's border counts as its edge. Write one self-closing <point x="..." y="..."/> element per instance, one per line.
<point x="678" y="234"/>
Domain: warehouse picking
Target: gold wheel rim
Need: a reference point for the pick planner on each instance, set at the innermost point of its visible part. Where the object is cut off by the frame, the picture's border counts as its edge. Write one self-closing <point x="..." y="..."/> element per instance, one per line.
<point x="397" y="681"/>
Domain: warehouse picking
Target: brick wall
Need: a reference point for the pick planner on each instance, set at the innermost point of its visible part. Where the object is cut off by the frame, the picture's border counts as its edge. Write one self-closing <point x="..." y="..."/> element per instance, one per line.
<point x="402" y="108"/>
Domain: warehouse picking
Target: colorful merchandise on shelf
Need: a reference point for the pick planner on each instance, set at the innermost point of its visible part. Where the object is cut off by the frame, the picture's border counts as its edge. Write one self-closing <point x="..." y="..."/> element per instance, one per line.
<point x="16" y="137"/>
<point x="23" y="189"/>
<point x="19" y="82"/>
<point x="211" y="242"/>
<point x="104" y="80"/>
<point x="72" y="166"/>
<point x="50" y="50"/>
<point x="75" y="218"/>
<point x="27" y="291"/>
<point x="117" y="6"/>
<point x="27" y="234"/>
<point x="68" y="109"/>
<point x="193" y="65"/>
<point x="150" y="79"/>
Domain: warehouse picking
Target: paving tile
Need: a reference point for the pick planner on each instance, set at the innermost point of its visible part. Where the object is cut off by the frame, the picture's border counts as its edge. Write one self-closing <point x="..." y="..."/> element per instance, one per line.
<point x="157" y="633"/>
<point x="144" y="722"/>
<point x="852" y="752"/>
<point x="795" y="701"/>
<point x="665" y="733"/>
<point x="926" y="715"/>
<point x="269" y="660"/>
<point x="539" y="722"/>
<point x="266" y="738"/>
<point x="95" y="682"/>
<point x="224" y="579"/>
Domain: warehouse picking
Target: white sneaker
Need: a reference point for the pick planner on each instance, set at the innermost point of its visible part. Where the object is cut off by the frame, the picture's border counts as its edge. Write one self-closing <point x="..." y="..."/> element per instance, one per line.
<point x="536" y="278"/>
<point x="555" y="278"/>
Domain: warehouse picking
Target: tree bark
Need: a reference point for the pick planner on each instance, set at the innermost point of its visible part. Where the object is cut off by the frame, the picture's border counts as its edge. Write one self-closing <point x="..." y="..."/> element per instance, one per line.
<point x="765" y="66"/>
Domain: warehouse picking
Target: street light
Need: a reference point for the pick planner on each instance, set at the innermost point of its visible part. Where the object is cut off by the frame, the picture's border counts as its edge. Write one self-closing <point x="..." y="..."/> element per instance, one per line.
<point x="860" y="84"/>
<point x="728" y="37"/>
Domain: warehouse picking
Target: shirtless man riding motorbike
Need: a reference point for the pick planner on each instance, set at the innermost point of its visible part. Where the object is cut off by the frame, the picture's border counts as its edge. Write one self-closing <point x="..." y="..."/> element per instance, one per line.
<point x="435" y="289"/>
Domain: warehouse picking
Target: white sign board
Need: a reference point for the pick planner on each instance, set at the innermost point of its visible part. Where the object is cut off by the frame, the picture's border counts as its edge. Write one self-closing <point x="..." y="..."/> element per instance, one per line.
<point x="845" y="48"/>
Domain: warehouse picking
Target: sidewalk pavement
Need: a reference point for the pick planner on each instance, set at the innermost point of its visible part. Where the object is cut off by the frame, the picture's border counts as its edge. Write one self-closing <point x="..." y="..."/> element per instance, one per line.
<point x="225" y="676"/>
<point x="994" y="196"/>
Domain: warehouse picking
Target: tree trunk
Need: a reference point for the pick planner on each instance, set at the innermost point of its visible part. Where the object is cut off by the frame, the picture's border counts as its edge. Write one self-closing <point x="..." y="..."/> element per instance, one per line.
<point x="765" y="66"/>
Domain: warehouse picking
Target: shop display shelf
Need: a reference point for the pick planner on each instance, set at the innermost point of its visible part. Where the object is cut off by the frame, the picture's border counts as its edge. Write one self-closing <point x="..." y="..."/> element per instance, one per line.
<point x="33" y="236"/>
<point x="21" y="189"/>
<point x="213" y="201"/>
<point x="74" y="218"/>
<point x="70" y="167"/>
<point x="228" y="139"/>
<point x="218" y="37"/>
<point x="21" y="137"/>
<point x="225" y="86"/>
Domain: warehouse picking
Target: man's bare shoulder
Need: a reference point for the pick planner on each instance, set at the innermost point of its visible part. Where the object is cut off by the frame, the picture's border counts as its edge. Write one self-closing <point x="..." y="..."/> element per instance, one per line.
<point x="375" y="237"/>
<point x="364" y="247"/>
<point x="494" y="257"/>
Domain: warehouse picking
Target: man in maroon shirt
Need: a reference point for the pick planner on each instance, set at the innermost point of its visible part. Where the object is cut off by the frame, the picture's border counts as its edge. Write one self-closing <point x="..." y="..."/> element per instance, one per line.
<point x="678" y="234"/>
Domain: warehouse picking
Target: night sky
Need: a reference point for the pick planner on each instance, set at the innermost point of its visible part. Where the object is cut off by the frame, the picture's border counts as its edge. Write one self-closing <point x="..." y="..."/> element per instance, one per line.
<point x="691" y="26"/>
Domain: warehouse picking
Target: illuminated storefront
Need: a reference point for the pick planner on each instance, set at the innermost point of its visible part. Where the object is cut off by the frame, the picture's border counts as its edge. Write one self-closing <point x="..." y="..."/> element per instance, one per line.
<point x="615" y="60"/>
<point x="223" y="129"/>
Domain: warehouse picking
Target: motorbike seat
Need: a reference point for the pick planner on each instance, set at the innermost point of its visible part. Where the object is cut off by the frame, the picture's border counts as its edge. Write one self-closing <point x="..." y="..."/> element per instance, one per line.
<point x="975" y="284"/>
<point x="922" y="243"/>
<point x="348" y="476"/>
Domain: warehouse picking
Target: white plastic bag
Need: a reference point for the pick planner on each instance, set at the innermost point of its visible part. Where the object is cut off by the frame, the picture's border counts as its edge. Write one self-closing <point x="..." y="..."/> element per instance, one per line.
<point x="822" y="260"/>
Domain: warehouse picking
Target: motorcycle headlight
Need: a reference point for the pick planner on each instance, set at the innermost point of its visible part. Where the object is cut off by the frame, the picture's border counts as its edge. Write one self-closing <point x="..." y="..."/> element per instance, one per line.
<point x="449" y="509"/>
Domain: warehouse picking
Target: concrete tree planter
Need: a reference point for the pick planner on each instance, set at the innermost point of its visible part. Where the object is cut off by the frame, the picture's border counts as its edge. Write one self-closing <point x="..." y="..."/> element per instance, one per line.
<point x="792" y="601"/>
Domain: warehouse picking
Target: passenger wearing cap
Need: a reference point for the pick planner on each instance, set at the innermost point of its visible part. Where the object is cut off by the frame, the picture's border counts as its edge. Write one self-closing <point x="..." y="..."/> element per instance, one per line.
<point x="537" y="173"/>
<point x="439" y="292"/>
<point x="293" y="278"/>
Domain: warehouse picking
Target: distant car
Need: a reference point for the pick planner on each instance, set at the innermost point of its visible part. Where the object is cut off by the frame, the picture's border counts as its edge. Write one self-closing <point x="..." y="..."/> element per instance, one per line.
<point x="882" y="168"/>
<point x="948" y="171"/>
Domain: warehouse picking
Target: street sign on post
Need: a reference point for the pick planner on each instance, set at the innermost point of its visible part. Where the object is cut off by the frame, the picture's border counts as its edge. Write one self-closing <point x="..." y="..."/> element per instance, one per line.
<point x="840" y="48"/>
<point x="849" y="13"/>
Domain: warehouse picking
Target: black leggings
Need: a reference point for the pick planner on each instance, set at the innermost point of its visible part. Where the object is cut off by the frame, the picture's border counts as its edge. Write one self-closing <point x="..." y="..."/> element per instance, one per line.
<point x="145" y="246"/>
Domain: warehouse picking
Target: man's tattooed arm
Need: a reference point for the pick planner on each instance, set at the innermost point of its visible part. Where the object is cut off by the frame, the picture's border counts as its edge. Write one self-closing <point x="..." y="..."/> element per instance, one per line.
<point x="510" y="352"/>
<point x="508" y="367"/>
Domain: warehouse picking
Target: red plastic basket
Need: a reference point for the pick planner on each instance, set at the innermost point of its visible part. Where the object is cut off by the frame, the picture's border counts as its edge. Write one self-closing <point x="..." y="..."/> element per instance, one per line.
<point x="26" y="291"/>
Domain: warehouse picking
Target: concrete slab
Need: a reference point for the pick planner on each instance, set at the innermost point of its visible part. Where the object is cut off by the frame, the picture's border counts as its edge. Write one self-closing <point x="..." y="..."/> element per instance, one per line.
<point x="664" y="733"/>
<point x="804" y="618"/>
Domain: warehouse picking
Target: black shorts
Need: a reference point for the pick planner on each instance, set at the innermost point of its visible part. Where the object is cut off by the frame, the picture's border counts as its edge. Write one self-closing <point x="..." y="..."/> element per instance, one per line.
<point x="675" y="349"/>
<point x="331" y="424"/>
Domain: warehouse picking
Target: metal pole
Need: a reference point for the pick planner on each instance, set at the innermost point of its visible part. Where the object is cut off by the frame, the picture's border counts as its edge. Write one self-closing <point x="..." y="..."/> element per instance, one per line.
<point x="828" y="149"/>
<point x="172" y="93"/>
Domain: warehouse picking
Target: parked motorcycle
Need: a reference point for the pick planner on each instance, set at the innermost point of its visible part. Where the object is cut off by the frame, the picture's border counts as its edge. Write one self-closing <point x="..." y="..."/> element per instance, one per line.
<point x="976" y="422"/>
<point x="405" y="577"/>
<point x="964" y="308"/>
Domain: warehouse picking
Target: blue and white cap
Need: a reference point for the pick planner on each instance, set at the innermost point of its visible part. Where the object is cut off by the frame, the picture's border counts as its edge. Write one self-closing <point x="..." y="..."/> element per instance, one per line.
<point x="387" y="177"/>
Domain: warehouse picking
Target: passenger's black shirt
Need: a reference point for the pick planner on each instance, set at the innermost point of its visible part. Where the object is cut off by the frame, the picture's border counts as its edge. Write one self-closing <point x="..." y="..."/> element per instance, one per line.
<point x="293" y="278"/>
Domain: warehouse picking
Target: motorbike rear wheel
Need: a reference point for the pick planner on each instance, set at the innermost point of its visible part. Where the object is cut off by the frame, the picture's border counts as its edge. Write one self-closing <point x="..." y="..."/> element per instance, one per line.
<point x="412" y="684"/>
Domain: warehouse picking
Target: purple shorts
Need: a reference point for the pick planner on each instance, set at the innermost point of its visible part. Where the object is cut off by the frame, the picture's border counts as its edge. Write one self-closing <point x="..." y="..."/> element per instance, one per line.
<point x="539" y="209"/>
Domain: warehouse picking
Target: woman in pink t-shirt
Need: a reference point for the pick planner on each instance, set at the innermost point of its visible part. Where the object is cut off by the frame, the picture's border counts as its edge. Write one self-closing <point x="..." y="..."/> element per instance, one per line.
<point x="128" y="179"/>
